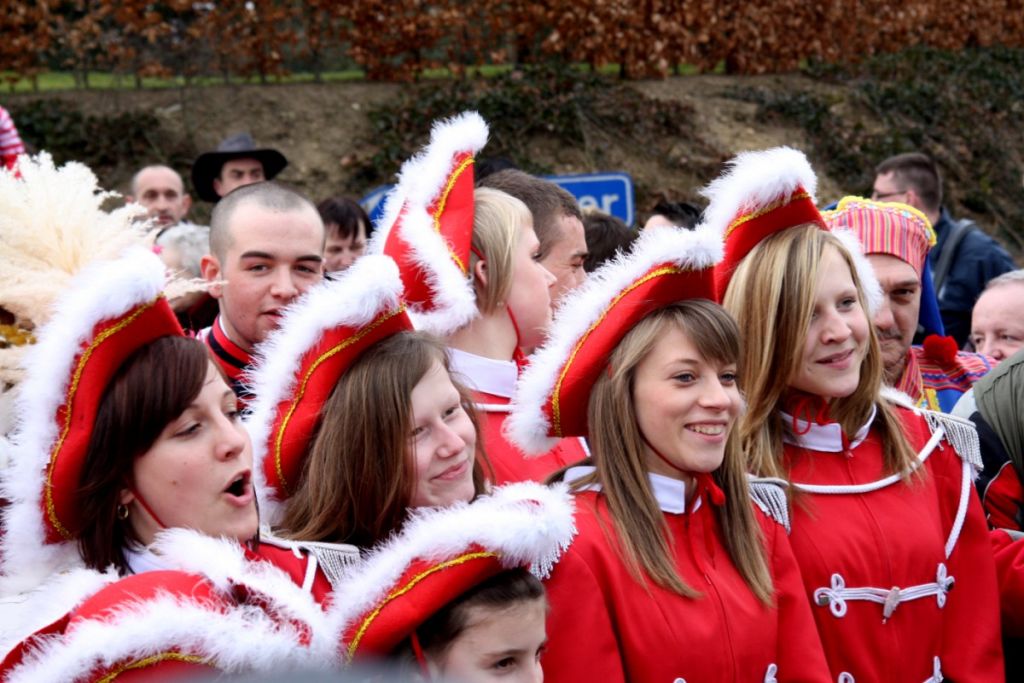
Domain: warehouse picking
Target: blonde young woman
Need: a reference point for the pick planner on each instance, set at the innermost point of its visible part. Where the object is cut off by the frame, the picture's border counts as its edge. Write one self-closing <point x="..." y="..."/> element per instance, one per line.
<point x="675" y="574"/>
<point x="470" y="263"/>
<point x="885" y="519"/>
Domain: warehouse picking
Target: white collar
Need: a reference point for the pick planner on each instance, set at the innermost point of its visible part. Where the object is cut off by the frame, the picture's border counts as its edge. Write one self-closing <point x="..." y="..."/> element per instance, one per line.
<point x="827" y="437"/>
<point x="486" y="375"/>
<point x="142" y="559"/>
<point x="670" y="493"/>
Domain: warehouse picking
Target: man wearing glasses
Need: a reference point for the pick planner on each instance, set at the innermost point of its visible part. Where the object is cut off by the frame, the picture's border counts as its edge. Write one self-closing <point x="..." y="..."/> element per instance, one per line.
<point x="964" y="258"/>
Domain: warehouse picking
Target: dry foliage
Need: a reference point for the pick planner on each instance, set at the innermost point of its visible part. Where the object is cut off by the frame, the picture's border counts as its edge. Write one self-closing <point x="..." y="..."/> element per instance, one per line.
<point x="399" y="39"/>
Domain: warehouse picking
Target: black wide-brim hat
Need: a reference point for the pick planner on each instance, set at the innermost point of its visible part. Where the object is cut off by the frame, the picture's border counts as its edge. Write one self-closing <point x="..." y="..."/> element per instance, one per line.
<point x="240" y="146"/>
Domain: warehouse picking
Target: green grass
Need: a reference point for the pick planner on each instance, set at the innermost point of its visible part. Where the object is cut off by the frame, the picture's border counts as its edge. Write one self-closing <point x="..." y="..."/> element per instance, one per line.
<point x="100" y="80"/>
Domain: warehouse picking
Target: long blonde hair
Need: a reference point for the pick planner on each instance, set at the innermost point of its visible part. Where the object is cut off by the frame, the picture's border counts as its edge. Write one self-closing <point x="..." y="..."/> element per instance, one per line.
<point x="771" y="296"/>
<point x="617" y="447"/>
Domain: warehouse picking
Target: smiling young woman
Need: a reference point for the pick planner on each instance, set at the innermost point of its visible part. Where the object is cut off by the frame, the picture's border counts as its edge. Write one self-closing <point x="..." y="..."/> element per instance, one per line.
<point x="884" y="515"/>
<point x="675" y="573"/>
<point x="357" y="420"/>
<point x="470" y="261"/>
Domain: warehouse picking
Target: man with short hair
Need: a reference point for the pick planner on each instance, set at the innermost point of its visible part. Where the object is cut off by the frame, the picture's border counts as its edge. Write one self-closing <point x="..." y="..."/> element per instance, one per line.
<point x="997" y="326"/>
<point x="266" y="249"/>
<point x="161" y="190"/>
<point x="964" y="257"/>
<point x="235" y="163"/>
<point x="558" y="222"/>
<point x="896" y="239"/>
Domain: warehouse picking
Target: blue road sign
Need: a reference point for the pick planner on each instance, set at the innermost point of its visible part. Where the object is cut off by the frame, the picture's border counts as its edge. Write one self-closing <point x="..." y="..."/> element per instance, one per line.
<point x="608" y="192"/>
<point x="373" y="202"/>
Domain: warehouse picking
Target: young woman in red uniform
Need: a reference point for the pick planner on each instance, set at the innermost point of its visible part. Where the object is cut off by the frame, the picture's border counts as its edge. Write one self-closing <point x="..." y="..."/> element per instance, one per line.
<point x="469" y="262"/>
<point x="884" y="517"/>
<point x="129" y="449"/>
<point x="356" y="419"/>
<point x="676" y="574"/>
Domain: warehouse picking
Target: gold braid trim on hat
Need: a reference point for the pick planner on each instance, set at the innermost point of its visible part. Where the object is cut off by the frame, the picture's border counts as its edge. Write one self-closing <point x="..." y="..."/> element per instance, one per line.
<point x="69" y="398"/>
<point x="398" y="592"/>
<point x="154" y="659"/>
<point x="768" y="208"/>
<point x="334" y="350"/>
<point x="449" y="186"/>
<point x="556" y="410"/>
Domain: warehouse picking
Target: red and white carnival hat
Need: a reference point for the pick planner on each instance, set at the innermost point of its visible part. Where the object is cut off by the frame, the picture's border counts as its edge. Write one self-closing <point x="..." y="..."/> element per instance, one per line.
<point x="297" y="366"/>
<point x="428" y="225"/>
<point x="111" y="309"/>
<point x="216" y="609"/>
<point x="443" y="552"/>
<point x="552" y="394"/>
<point x="766" y="192"/>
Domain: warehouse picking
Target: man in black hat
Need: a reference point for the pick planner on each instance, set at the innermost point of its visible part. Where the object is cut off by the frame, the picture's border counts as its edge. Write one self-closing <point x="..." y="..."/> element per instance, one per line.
<point x="236" y="162"/>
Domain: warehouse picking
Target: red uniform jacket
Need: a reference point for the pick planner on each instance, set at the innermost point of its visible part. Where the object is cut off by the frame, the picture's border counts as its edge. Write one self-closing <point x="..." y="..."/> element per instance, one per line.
<point x="604" y="626"/>
<point x="878" y="557"/>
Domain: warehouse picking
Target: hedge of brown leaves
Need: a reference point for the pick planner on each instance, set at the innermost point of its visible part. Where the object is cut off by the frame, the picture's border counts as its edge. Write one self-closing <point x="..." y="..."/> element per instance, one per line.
<point x="399" y="39"/>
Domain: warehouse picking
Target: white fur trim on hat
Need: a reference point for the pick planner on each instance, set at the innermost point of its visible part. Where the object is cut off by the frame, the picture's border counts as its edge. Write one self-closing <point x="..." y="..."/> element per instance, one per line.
<point x="421" y="180"/>
<point x="525" y="523"/>
<point x="371" y="286"/>
<point x="101" y="291"/>
<point x="527" y="426"/>
<point x="240" y="639"/>
<point x="26" y="613"/>
<point x="865" y="272"/>
<point x="754" y="179"/>
<point x="224" y="563"/>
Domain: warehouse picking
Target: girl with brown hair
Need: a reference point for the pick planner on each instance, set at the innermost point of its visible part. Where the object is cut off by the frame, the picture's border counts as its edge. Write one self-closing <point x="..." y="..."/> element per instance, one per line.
<point x="470" y="262"/>
<point x="884" y="515"/>
<point x="357" y="419"/>
<point x="676" y="572"/>
<point x="129" y="459"/>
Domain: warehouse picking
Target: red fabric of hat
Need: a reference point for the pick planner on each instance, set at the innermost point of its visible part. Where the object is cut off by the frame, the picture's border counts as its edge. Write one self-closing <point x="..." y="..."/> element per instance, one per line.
<point x="750" y="228"/>
<point x="296" y="417"/>
<point x="451" y="217"/>
<point x="424" y="588"/>
<point x="428" y="225"/>
<point x="660" y="286"/>
<point x="665" y="265"/>
<point x="99" y="358"/>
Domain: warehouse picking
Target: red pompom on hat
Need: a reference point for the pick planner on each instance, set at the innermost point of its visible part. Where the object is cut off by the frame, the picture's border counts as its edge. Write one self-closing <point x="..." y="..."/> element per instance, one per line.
<point x="551" y="397"/>
<point x="111" y="309"/>
<point x="443" y="552"/>
<point x="763" y="193"/>
<point x="428" y="225"/>
<point x="299" y="364"/>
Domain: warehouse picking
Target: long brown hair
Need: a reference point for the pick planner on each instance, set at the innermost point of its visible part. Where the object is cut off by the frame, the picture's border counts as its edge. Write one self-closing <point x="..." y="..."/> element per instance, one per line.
<point x="771" y="296"/>
<point x="152" y="387"/>
<point x="359" y="476"/>
<point x="617" y="447"/>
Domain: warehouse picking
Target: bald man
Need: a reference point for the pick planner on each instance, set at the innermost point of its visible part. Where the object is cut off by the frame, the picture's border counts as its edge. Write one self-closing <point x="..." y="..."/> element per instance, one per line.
<point x="160" y="189"/>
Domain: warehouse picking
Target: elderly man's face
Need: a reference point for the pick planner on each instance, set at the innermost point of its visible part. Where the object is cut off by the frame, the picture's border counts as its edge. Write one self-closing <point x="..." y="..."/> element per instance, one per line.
<point x="997" y="328"/>
<point x="160" y="190"/>
<point x="896" y="319"/>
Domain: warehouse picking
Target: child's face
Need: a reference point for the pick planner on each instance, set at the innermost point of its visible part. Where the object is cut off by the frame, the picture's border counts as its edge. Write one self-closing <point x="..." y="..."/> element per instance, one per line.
<point x="499" y="645"/>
